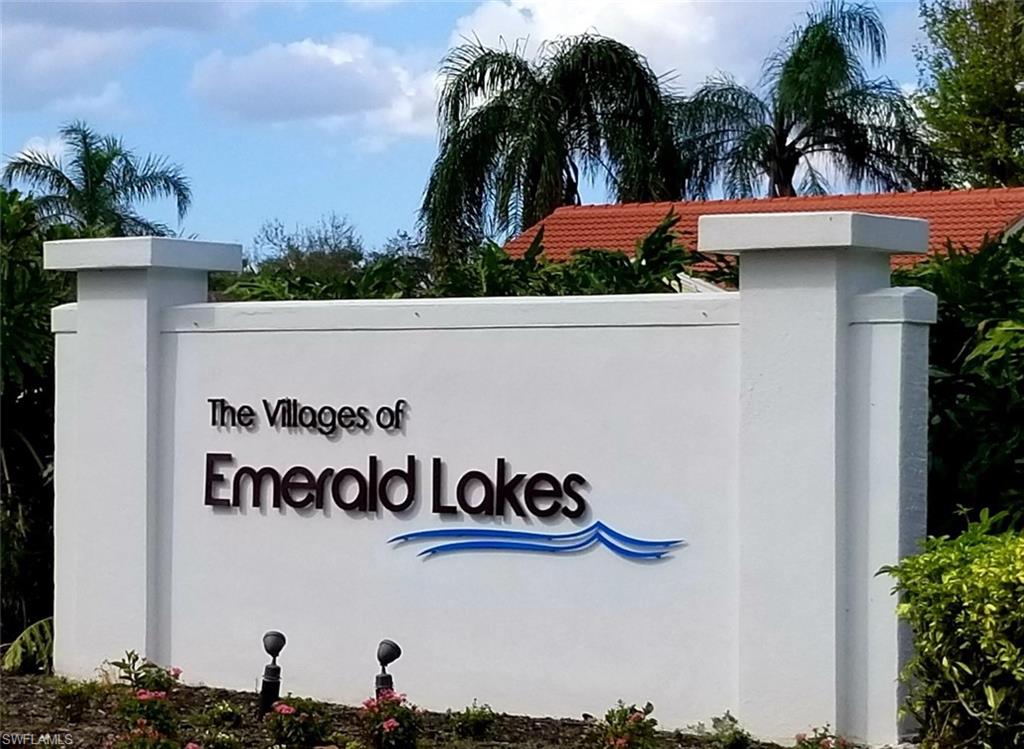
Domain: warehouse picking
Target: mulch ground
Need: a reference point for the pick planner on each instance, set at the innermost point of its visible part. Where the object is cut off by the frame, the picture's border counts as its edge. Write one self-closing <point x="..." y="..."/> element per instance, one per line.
<point x="28" y="705"/>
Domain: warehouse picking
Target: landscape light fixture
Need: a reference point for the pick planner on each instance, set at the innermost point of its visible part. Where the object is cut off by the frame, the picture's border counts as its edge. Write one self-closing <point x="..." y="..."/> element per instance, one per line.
<point x="270" y="689"/>
<point x="387" y="653"/>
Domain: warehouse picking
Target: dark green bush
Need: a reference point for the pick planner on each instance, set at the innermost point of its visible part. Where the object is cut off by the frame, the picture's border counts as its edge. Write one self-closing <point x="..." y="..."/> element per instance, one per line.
<point x="220" y="740"/>
<point x="474" y="722"/>
<point x="964" y="601"/>
<point x="27" y="293"/>
<point x="75" y="699"/>
<point x="486" y="271"/>
<point x="222" y="715"/>
<point x="976" y="432"/>
<point x="725" y="733"/>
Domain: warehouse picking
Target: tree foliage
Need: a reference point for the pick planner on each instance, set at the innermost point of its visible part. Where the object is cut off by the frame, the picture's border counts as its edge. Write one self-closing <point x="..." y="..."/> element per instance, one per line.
<point x="26" y="422"/>
<point x="486" y="270"/>
<point x="815" y="105"/>
<point x="518" y="136"/>
<point x="972" y="95"/>
<point x="976" y="433"/>
<point x="96" y="188"/>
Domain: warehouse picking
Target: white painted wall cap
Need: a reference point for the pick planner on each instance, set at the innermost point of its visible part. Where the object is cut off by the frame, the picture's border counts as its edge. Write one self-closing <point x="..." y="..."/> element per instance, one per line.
<point x="900" y="304"/>
<point x="745" y="232"/>
<point x="141" y="252"/>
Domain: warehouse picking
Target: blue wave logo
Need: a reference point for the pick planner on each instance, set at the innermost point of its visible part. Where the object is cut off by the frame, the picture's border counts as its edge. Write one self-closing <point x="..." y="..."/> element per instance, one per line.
<point x="504" y="539"/>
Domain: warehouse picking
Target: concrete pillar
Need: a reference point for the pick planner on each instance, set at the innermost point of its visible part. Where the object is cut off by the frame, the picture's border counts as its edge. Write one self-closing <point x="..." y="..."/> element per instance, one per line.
<point x="805" y="446"/>
<point x="107" y="359"/>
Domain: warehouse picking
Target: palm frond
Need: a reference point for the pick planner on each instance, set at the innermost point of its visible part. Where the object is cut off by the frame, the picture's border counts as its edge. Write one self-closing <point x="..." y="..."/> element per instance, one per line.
<point x="32" y="650"/>
<point x="858" y="25"/>
<point x="516" y="135"/>
<point x="473" y="74"/>
<point x="453" y="211"/>
<point x="130" y="224"/>
<point x="154" y="178"/>
<point x="56" y="209"/>
<point x="813" y="182"/>
<point x="39" y="170"/>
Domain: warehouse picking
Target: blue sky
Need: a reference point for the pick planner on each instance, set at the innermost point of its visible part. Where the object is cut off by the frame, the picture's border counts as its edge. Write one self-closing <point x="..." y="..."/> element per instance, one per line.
<point x="293" y="110"/>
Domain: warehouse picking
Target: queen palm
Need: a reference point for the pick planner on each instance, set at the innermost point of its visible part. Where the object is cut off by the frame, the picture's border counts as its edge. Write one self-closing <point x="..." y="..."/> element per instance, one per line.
<point x="519" y="135"/>
<point x="96" y="188"/>
<point x="815" y="107"/>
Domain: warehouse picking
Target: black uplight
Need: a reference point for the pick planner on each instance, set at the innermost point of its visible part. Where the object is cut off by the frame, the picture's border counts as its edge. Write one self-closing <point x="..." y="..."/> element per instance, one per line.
<point x="387" y="653"/>
<point x="270" y="689"/>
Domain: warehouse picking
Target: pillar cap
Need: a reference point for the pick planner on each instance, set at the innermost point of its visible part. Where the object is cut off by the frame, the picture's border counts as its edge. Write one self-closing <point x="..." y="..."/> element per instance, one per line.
<point x="736" y="233"/>
<point x="121" y="253"/>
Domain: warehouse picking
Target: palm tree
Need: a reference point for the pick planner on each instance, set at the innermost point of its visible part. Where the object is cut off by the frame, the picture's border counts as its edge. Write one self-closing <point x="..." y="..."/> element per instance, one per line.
<point x="815" y="106"/>
<point x="95" y="190"/>
<point x="517" y="136"/>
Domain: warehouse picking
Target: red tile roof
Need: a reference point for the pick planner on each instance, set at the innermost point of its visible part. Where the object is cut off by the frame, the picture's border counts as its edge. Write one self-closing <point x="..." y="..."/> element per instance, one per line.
<point x="962" y="216"/>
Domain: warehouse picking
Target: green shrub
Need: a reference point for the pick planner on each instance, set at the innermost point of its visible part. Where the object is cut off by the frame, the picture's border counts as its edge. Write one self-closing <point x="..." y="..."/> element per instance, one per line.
<point x="475" y="722"/>
<point x="725" y="733"/>
<point x="74" y="699"/>
<point x="485" y="271"/>
<point x="222" y="715"/>
<point x="964" y="601"/>
<point x="625" y="727"/>
<point x="27" y="292"/>
<point x="976" y="388"/>
<point x="144" y="708"/>
<point x="297" y="723"/>
<point x="141" y="673"/>
<point x="389" y="721"/>
<point x="220" y="740"/>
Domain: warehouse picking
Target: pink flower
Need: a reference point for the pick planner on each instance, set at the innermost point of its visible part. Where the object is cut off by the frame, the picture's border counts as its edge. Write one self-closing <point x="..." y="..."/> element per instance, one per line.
<point x="192" y="745"/>
<point x="826" y="744"/>
<point x="621" y="742"/>
<point x="144" y="695"/>
<point x="801" y="738"/>
<point x="389" y="725"/>
<point x="283" y="709"/>
<point x="389" y="695"/>
<point x="370" y="704"/>
<point x="175" y="672"/>
<point x="636" y="717"/>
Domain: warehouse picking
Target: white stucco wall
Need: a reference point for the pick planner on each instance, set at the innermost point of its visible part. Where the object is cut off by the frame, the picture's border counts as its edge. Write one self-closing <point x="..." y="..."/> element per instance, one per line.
<point x="778" y="431"/>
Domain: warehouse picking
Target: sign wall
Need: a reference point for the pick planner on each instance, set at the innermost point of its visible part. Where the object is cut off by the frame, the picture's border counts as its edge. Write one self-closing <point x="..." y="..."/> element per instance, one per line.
<point x="551" y="504"/>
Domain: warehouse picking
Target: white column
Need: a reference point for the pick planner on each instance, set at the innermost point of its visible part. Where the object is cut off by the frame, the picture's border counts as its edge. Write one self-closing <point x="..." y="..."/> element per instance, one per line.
<point x="887" y="502"/>
<point x="800" y="276"/>
<point x="107" y="401"/>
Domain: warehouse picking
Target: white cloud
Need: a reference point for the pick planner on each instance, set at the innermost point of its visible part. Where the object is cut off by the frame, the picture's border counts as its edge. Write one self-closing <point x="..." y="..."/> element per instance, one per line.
<point x="376" y="93"/>
<point x="107" y="101"/>
<point x="374" y="4"/>
<point x="53" y="146"/>
<point x="688" y="38"/>
<point x="54" y="53"/>
<point x="120" y="14"/>
<point x="42" y="65"/>
<point x="346" y="81"/>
